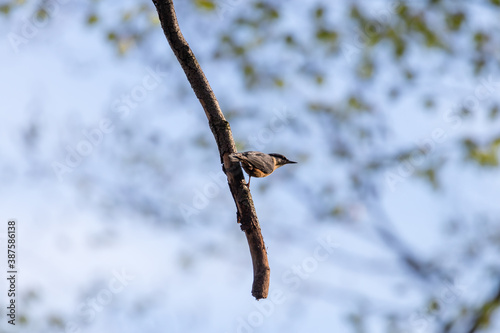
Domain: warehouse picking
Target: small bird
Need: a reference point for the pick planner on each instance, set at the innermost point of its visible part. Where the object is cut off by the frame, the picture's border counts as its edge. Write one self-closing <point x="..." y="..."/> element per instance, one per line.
<point x="258" y="164"/>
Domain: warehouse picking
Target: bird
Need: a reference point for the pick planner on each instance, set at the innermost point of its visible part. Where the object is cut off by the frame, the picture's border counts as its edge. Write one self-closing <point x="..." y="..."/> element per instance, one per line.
<point x="258" y="164"/>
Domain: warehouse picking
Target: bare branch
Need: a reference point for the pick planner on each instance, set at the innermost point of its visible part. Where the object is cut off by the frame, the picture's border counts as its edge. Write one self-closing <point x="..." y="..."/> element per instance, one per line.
<point x="221" y="130"/>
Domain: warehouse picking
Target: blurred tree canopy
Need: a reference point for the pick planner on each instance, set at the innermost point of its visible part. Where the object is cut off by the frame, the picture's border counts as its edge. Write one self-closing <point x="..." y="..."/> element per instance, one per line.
<point x="362" y="76"/>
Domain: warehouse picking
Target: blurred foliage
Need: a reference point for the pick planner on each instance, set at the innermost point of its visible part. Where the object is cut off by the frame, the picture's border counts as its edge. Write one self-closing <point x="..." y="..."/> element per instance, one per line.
<point x="484" y="155"/>
<point x="205" y="4"/>
<point x="370" y="45"/>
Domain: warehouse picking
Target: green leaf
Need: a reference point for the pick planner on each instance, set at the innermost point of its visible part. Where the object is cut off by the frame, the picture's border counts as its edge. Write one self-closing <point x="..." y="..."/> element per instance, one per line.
<point x="289" y="40"/>
<point x="207" y="5"/>
<point x="326" y="36"/>
<point x="112" y="35"/>
<point x="480" y="39"/>
<point x="279" y="82"/>
<point x="455" y="21"/>
<point x="484" y="156"/>
<point x="337" y="211"/>
<point x="319" y="79"/>
<point x="433" y="306"/>
<point x="495" y="143"/>
<point x="42" y="14"/>
<point x="355" y="103"/>
<point x="5" y="9"/>
<point x="430" y="175"/>
<point x="92" y="19"/>
<point x="318" y="14"/>
<point x="355" y="13"/>
<point x="272" y="14"/>
<point x="400" y="47"/>
<point x="248" y="70"/>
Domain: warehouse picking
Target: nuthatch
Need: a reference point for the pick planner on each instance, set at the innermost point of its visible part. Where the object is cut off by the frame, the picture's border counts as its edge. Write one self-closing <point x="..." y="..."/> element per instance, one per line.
<point x="258" y="164"/>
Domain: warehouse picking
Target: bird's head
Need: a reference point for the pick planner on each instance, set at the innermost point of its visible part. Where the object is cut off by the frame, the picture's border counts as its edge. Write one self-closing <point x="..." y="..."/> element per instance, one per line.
<point x="281" y="160"/>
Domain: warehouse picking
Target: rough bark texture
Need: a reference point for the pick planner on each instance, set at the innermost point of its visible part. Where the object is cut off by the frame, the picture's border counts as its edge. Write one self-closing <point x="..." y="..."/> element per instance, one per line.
<point x="221" y="130"/>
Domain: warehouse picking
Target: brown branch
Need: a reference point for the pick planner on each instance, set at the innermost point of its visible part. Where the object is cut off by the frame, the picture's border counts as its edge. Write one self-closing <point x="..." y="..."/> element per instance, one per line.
<point x="221" y="130"/>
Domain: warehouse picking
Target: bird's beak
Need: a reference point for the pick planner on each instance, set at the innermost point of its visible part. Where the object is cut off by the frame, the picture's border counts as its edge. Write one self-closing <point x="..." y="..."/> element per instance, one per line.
<point x="290" y="162"/>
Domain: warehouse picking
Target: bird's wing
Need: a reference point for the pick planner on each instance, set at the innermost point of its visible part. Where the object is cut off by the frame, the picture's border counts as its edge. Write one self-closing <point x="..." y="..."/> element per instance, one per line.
<point x="258" y="160"/>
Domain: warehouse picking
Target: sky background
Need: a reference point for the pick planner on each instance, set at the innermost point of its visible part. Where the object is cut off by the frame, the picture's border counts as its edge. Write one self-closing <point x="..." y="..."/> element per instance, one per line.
<point x="126" y="222"/>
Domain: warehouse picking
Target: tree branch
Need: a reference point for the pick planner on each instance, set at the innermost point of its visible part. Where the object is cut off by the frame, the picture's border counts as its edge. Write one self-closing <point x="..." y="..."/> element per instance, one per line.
<point x="221" y="130"/>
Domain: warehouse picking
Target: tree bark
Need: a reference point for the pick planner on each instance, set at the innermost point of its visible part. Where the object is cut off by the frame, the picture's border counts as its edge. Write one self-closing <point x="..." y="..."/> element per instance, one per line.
<point x="221" y="130"/>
